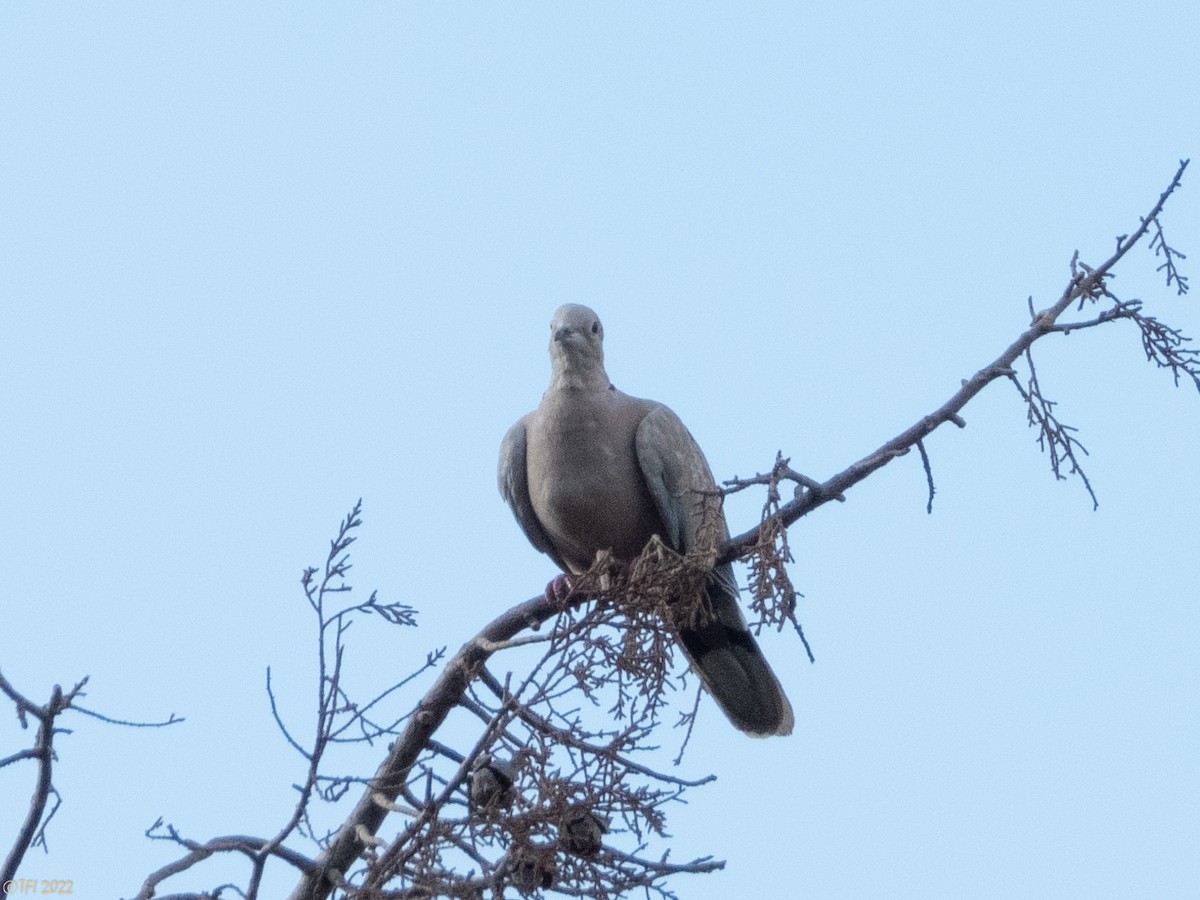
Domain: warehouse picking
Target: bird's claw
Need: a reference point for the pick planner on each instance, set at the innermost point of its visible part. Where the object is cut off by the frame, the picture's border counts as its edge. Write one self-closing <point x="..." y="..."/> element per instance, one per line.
<point x="559" y="590"/>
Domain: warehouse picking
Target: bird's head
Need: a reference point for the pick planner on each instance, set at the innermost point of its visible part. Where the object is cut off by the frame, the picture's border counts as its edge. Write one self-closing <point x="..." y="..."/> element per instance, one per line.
<point x="576" y="339"/>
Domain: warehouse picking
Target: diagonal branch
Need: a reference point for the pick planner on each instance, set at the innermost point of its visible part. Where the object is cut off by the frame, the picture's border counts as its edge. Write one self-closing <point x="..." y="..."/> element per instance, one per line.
<point x="391" y="776"/>
<point x="1086" y="284"/>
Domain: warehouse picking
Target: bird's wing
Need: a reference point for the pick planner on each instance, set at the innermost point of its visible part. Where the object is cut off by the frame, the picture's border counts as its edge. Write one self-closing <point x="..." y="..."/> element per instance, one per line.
<point x="513" y="481"/>
<point x="722" y="650"/>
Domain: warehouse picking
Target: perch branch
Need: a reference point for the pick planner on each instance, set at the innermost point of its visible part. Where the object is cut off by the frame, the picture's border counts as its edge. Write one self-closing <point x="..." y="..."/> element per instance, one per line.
<point x="1085" y="284"/>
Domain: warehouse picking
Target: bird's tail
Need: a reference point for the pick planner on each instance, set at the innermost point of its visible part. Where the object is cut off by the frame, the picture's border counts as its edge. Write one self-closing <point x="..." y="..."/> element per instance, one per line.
<point x="725" y="655"/>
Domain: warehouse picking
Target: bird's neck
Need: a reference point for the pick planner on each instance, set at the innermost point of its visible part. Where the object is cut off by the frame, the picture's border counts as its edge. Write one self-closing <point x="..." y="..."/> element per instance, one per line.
<point x="573" y="374"/>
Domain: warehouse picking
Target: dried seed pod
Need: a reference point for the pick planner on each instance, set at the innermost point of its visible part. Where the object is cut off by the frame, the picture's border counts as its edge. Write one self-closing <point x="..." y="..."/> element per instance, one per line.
<point x="582" y="831"/>
<point x="531" y="867"/>
<point x="490" y="784"/>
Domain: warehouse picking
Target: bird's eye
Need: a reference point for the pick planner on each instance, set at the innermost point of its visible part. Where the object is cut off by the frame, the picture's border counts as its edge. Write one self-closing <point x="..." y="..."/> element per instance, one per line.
<point x="595" y="328"/>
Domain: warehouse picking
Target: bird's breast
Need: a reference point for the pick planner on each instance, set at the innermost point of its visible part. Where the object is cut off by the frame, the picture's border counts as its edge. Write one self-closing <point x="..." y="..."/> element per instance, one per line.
<point x="586" y="486"/>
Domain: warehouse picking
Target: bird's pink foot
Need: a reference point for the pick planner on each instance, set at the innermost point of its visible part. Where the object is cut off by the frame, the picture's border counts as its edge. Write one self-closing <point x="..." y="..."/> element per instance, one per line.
<point x="559" y="589"/>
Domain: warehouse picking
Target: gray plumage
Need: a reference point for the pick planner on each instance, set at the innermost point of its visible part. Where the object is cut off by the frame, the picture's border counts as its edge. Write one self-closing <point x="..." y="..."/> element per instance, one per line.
<point x="594" y="469"/>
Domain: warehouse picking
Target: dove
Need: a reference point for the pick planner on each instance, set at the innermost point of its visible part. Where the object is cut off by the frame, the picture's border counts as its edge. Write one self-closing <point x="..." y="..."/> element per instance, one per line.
<point x="593" y="469"/>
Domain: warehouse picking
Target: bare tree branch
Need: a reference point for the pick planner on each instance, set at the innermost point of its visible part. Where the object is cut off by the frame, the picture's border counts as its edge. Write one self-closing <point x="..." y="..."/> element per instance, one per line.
<point x="256" y="849"/>
<point x="336" y="714"/>
<point x="33" y="829"/>
<point x="43" y="752"/>
<point x="1086" y="284"/>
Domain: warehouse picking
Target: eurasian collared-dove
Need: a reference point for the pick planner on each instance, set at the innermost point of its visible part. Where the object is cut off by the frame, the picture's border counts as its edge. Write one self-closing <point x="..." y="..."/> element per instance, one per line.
<point x="594" y="469"/>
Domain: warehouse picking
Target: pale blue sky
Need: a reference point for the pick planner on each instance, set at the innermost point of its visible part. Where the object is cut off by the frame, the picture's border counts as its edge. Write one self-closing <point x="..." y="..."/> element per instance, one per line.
<point x="257" y="263"/>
